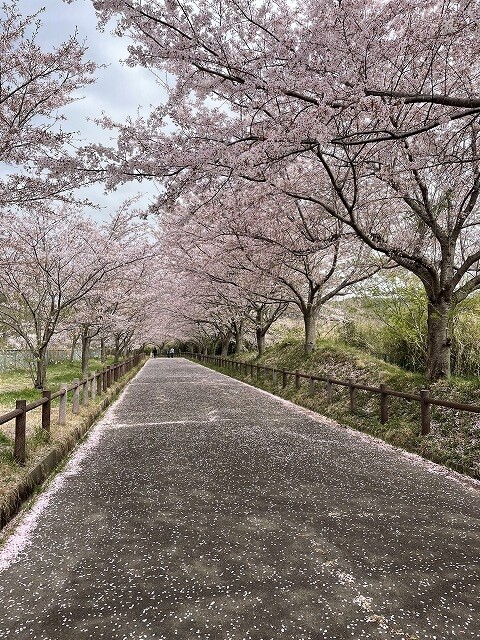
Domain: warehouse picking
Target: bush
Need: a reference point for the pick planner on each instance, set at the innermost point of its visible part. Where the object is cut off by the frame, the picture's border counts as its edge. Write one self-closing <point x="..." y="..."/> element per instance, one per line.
<point x="389" y="321"/>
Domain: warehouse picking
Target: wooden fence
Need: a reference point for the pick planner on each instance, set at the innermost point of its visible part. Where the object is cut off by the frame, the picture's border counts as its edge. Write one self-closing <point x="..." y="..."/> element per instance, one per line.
<point x="423" y="397"/>
<point x="91" y="386"/>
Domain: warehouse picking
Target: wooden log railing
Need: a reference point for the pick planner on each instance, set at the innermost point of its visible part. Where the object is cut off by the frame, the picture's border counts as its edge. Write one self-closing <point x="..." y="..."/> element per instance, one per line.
<point x="384" y="392"/>
<point x="91" y="386"/>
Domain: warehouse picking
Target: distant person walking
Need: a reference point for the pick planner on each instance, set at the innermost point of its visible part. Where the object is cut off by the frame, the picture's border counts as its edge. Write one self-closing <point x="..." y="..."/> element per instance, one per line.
<point x="171" y="353"/>
<point x="154" y="352"/>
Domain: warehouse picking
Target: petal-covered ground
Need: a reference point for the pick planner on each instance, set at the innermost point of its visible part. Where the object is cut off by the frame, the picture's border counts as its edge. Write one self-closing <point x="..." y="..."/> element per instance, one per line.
<point x="201" y="507"/>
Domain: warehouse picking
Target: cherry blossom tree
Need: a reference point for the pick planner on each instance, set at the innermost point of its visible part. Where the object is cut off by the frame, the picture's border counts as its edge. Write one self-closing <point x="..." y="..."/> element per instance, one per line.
<point x="50" y="262"/>
<point x="212" y="308"/>
<point x="116" y="311"/>
<point x="35" y="84"/>
<point x="316" y="57"/>
<point x="188" y="309"/>
<point x="206" y="249"/>
<point x="417" y="204"/>
<point x="131" y="301"/>
<point x="274" y="251"/>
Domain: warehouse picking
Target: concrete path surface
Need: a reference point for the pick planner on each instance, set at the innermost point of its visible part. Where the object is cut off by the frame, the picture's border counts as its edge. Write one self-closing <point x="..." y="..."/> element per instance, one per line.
<point x="202" y="508"/>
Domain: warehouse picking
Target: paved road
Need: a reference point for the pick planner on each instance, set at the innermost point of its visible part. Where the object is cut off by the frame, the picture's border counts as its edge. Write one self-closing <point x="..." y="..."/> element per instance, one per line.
<point x="203" y="508"/>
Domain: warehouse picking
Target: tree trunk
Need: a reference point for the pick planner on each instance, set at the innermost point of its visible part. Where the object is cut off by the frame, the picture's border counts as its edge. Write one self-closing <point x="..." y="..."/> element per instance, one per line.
<point x="239" y="339"/>
<point x="85" y="351"/>
<point x="260" y="330"/>
<point x="74" y="344"/>
<point x="226" y="343"/>
<point x="438" y="340"/>
<point x="260" y="334"/>
<point x="310" y="322"/>
<point x="103" y="350"/>
<point x="41" y="368"/>
<point x="116" y="354"/>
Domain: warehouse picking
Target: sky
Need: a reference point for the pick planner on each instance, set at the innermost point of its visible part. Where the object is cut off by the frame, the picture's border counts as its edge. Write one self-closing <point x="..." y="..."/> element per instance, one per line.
<point x="119" y="90"/>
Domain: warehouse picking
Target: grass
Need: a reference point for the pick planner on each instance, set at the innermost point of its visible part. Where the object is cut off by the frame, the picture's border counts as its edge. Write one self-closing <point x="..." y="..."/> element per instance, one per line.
<point x="454" y="440"/>
<point x="13" y="383"/>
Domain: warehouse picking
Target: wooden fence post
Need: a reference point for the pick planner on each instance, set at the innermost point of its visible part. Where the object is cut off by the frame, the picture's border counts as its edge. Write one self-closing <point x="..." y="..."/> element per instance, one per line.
<point x="104" y="380"/>
<point x="311" y="386"/>
<point x="329" y="391"/>
<point x="93" y="385"/>
<point x="85" y="393"/>
<point x="274" y="376"/>
<point x="353" y="396"/>
<point x="425" y="411"/>
<point x="284" y="378"/>
<point x="19" y="452"/>
<point x="46" y="410"/>
<point x="62" y="406"/>
<point x="99" y="383"/>
<point x="76" y="396"/>
<point x="383" y="404"/>
<point x="297" y="379"/>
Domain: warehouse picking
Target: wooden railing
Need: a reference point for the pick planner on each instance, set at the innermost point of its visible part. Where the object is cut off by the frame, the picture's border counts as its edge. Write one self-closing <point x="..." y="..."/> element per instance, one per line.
<point x="91" y="386"/>
<point x="423" y="397"/>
